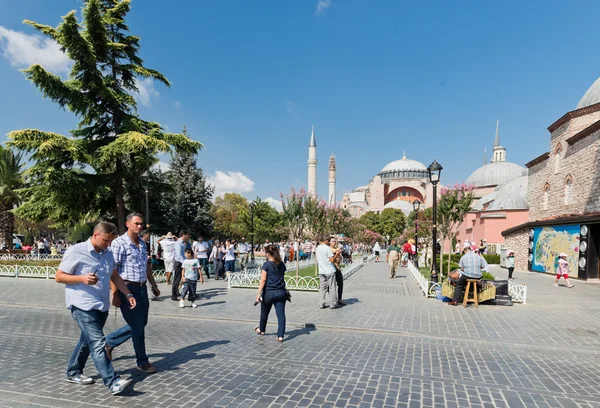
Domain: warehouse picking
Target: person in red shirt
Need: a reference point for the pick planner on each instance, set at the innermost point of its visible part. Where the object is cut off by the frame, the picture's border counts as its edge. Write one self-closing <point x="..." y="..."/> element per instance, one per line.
<point x="406" y="252"/>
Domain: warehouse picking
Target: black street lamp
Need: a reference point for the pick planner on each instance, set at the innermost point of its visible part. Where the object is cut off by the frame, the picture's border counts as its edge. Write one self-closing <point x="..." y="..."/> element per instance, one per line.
<point x="435" y="171"/>
<point x="252" y="205"/>
<point x="146" y="178"/>
<point x="416" y="207"/>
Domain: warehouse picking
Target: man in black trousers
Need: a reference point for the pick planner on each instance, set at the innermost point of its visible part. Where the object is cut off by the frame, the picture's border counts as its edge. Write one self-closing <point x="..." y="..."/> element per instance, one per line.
<point x="179" y="256"/>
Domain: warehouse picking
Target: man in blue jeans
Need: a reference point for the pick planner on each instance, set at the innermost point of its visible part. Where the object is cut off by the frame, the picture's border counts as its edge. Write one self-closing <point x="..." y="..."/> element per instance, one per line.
<point x="87" y="270"/>
<point x="131" y="261"/>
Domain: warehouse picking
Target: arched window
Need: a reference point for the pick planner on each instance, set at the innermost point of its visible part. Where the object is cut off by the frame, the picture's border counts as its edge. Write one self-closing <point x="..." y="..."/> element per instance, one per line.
<point x="568" y="189"/>
<point x="558" y="153"/>
<point x="546" y="196"/>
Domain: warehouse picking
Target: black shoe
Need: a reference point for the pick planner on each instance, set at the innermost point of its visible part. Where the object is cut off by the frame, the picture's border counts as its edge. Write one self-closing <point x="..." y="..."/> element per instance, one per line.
<point x="174" y="298"/>
<point x="323" y="307"/>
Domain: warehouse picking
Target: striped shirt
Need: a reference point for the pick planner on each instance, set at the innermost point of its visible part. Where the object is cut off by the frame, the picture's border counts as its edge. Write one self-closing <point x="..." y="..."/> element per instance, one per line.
<point x="82" y="259"/>
<point x="131" y="259"/>
<point x="471" y="265"/>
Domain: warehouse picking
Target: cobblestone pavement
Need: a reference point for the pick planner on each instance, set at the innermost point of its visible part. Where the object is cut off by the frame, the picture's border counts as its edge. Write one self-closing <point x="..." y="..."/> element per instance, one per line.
<point x="390" y="347"/>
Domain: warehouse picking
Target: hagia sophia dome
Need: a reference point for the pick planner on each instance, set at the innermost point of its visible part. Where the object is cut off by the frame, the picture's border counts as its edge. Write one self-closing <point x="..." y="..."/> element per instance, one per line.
<point x="404" y="164"/>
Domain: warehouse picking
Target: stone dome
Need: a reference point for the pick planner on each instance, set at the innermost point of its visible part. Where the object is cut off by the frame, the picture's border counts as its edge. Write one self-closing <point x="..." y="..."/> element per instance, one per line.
<point x="488" y="198"/>
<point x="404" y="164"/>
<point x="496" y="173"/>
<point x="405" y="206"/>
<point x="592" y="96"/>
<point x="511" y="196"/>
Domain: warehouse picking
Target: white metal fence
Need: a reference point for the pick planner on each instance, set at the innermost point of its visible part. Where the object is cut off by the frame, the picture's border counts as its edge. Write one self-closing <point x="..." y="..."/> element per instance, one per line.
<point x="250" y="278"/>
<point x="29" y="257"/>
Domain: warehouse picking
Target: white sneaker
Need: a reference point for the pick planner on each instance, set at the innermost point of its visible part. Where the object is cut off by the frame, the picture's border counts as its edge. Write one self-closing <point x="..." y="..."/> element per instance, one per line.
<point x="119" y="386"/>
<point x="556" y="285"/>
<point x="194" y="305"/>
<point x="81" y="380"/>
<point x="181" y="303"/>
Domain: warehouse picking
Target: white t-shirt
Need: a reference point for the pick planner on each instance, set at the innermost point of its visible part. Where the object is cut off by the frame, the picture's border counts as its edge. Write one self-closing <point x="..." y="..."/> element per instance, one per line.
<point x="323" y="254"/>
<point x="282" y="251"/>
<point x="168" y="247"/>
<point x="201" y="249"/>
<point x="229" y="255"/>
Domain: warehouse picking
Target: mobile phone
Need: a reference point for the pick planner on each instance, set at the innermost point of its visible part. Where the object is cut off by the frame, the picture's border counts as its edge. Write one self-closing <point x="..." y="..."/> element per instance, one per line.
<point x="94" y="273"/>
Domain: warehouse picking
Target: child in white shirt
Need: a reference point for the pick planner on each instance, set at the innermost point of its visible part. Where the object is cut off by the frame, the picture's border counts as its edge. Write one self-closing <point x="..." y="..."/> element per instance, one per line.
<point x="190" y="277"/>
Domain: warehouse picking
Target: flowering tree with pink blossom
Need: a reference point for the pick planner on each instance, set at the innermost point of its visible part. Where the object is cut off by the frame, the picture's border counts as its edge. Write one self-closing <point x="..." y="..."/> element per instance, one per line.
<point x="454" y="203"/>
<point x="294" y="217"/>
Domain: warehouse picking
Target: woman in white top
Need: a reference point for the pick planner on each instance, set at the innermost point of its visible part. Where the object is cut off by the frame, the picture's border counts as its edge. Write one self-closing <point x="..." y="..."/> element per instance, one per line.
<point x="229" y="258"/>
<point x="376" y="250"/>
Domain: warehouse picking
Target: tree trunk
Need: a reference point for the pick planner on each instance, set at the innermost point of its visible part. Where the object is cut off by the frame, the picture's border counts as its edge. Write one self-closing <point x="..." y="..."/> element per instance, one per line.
<point x="297" y="262"/>
<point x="449" y="256"/>
<point x="7" y="220"/>
<point x="120" y="201"/>
<point x="441" y="264"/>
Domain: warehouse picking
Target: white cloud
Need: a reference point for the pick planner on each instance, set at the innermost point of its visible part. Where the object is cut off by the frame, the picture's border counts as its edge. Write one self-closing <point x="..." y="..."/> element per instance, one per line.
<point x="146" y="93"/>
<point x="273" y="202"/>
<point x="23" y="50"/>
<point x="322" y="5"/>
<point x="230" y="182"/>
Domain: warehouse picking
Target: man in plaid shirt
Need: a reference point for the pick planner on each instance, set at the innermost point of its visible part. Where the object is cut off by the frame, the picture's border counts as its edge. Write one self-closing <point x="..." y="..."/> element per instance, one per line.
<point x="471" y="265"/>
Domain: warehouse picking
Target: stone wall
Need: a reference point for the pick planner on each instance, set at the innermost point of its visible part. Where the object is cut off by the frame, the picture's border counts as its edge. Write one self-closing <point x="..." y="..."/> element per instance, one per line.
<point x="518" y="242"/>
<point x="581" y="162"/>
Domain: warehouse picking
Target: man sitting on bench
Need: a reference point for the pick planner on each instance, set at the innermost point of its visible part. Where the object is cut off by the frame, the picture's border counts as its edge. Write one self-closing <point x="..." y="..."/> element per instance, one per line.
<point x="471" y="265"/>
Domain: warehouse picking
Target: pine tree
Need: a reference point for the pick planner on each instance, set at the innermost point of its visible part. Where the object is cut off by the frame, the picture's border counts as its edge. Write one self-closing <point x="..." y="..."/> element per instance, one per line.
<point x="192" y="199"/>
<point x="90" y="174"/>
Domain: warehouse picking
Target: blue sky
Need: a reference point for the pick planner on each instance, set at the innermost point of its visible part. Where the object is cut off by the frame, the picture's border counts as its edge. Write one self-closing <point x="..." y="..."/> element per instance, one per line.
<point x="250" y="78"/>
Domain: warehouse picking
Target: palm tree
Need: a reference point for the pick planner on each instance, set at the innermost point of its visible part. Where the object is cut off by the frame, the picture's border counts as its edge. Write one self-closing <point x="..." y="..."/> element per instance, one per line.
<point x="11" y="179"/>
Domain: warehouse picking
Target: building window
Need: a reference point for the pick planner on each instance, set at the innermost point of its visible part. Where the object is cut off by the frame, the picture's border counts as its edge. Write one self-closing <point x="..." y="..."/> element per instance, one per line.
<point x="568" y="189"/>
<point x="545" y="197"/>
<point x="557" y="158"/>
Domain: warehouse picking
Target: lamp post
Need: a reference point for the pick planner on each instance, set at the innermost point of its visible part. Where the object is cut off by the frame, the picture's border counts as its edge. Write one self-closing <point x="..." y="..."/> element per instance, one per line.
<point x="252" y="205"/>
<point x="416" y="207"/>
<point x="434" y="170"/>
<point x="146" y="178"/>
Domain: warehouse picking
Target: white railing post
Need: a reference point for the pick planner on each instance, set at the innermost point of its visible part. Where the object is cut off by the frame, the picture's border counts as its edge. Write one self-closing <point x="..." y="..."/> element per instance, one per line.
<point x="16" y="271"/>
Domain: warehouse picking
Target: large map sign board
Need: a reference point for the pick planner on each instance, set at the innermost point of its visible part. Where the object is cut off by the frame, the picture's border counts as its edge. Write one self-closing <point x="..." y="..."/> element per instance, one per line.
<point x="548" y="242"/>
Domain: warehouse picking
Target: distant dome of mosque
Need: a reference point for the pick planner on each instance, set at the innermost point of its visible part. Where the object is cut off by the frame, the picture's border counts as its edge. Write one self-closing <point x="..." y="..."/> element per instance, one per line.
<point x="592" y="95"/>
<point x="496" y="173"/>
<point x="405" y="206"/>
<point x="404" y="164"/>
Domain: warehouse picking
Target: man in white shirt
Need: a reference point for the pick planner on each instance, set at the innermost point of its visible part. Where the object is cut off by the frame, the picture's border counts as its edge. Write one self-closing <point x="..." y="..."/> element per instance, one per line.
<point x="243" y="250"/>
<point x="325" y="258"/>
<point x="200" y="248"/>
<point x="167" y="244"/>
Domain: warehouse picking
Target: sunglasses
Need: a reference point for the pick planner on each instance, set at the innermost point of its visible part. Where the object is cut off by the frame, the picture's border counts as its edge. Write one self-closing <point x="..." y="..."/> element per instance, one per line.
<point x="138" y="223"/>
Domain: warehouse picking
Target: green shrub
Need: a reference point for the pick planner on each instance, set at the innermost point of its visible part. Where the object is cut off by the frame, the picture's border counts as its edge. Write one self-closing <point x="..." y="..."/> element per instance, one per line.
<point x="487" y="276"/>
<point x="492" y="258"/>
<point x="53" y="263"/>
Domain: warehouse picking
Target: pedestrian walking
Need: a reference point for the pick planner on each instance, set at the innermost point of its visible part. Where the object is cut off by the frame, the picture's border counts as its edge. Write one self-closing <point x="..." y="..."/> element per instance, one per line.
<point x="376" y="250"/>
<point x="562" y="270"/>
<point x="272" y="292"/>
<point x="131" y="261"/>
<point x="178" y="258"/>
<point x="167" y="244"/>
<point x="87" y="270"/>
<point x="328" y="286"/>
<point x="216" y="256"/>
<point x="191" y="275"/>
<point x="200" y="248"/>
<point x="337" y="262"/>
<point x="392" y="257"/>
<point x="510" y="264"/>
<point x="229" y="258"/>
<point x="243" y="251"/>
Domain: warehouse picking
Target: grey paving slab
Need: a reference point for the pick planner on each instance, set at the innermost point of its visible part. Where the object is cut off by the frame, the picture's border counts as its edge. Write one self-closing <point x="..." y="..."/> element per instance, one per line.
<point x="388" y="347"/>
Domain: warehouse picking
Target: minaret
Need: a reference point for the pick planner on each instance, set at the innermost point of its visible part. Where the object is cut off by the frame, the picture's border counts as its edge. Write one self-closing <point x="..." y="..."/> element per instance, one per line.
<point x="312" y="164"/>
<point x="484" y="156"/>
<point x="499" y="154"/>
<point x="331" y="196"/>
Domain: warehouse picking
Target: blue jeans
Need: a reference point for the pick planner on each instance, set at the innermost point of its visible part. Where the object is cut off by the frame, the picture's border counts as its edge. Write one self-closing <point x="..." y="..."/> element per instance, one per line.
<point x="137" y="319"/>
<point x="204" y="264"/>
<point x="278" y="299"/>
<point x="230" y="266"/>
<point x="91" y="341"/>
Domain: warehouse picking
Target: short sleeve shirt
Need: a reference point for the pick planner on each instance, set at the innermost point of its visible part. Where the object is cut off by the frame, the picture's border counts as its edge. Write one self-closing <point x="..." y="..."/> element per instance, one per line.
<point x="201" y="249"/>
<point x="275" y="275"/>
<point x="131" y="259"/>
<point x="190" y="269"/>
<point x="471" y="264"/>
<point x="323" y="253"/>
<point x="168" y="247"/>
<point x="82" y="259"/>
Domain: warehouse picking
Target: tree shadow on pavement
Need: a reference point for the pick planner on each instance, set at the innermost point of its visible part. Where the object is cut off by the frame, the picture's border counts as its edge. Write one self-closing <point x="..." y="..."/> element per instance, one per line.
<point x="211" y="303"/>
<point x="211" y="293"/>
<point x="172" y="361"/>
<point x="351" y="301"/>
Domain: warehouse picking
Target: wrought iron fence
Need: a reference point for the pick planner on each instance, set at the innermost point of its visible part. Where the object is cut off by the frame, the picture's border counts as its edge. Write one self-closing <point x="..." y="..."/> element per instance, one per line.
<point x="29" y="257"/>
